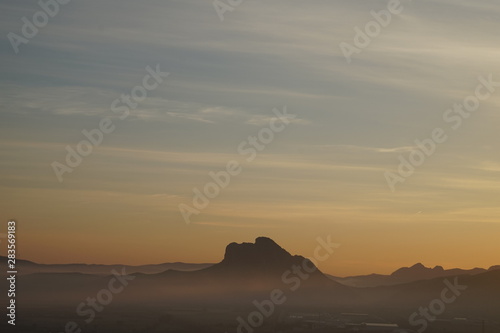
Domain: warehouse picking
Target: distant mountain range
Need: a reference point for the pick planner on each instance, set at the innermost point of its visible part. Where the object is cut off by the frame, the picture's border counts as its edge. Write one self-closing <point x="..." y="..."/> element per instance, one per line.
<point x="251" y="272"/>
<point x="25" y="267"/>
<point x="407" y="274"/>
<point x="248" y="270"/>
<point x="249" y="255"/>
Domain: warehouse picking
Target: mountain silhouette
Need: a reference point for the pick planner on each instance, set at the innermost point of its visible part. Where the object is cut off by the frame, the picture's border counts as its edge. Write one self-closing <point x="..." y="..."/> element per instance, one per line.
<point x="251" y="272"/>
<point x="402" y="275"/>
<point x="262" y="254"/>
<point x="247" y="271"/>
<point x="26" y="267"/>
<point x="262" y="259"/>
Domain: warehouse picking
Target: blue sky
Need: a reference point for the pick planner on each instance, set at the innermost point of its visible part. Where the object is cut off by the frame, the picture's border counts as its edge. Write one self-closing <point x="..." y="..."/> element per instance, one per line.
<point x="324" y="171"/>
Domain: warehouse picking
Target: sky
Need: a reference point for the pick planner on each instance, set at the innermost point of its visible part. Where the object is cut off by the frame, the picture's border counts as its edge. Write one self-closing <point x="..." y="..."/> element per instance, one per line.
<point x="323" y="174"/>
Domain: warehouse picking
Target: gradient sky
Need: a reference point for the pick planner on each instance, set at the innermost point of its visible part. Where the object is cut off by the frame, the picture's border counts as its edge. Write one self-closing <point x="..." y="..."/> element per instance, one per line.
<point x="323" y="175"/>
